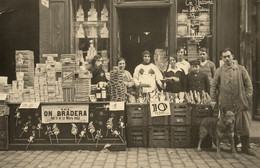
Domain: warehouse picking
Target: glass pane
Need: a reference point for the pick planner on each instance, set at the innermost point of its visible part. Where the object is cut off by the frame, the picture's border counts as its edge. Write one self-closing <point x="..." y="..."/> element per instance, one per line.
<point x="91" y="29"/>
<point x="194" y="29"/>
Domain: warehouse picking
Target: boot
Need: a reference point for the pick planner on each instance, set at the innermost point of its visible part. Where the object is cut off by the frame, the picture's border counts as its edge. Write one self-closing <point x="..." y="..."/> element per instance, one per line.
<point x="245" y="146"/>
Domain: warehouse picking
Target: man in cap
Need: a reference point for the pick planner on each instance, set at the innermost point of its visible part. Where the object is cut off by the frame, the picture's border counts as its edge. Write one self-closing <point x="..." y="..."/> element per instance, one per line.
<point x="206" y="66"/>
<point x="196" y="80"/>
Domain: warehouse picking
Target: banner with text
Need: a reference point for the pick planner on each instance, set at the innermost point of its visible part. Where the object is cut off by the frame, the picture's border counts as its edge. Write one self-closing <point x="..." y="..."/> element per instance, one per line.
<point x="160" y="108"/>
<point x="65" y="113"/>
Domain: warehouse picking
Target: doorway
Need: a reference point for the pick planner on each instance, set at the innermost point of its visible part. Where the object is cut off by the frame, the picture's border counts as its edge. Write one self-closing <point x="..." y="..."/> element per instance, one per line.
<point x="141" y="29"/>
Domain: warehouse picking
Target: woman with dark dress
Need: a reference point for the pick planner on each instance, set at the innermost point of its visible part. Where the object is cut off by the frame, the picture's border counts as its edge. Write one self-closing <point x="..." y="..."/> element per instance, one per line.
<point x="174" y="77"/>
<point x="97" y="71"/>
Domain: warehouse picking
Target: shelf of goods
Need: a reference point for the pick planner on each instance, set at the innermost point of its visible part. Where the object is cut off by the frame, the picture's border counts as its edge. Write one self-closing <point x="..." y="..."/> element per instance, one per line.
<point x="29" y="129"/>
<point x="178" y="130"/>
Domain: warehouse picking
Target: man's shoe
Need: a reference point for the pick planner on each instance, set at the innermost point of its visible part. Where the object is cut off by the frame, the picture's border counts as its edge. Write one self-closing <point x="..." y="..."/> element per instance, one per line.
<point x="248" y="151"/>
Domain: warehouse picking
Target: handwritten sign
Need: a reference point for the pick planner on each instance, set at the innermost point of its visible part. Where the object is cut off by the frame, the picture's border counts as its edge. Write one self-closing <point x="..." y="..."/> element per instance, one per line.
<point x="117" y="106"/>
<point x="161" y="108"/>
<point x="29" y="105"/>
<point x="65" y="113"/>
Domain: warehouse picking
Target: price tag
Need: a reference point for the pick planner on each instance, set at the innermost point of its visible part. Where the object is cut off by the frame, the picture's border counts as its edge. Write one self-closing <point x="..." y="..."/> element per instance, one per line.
<point x="117" y="106"/>
<point x="161" y="108"/>
<point x="29" y="105"/>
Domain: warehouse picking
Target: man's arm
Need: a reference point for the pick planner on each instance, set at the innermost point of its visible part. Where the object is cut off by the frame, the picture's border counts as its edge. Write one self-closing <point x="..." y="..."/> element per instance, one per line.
<point x="247" y="83"/>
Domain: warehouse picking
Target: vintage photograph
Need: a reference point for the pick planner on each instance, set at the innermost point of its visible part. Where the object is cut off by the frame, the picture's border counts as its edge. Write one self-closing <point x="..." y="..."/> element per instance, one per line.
<point x="129" y="83"/>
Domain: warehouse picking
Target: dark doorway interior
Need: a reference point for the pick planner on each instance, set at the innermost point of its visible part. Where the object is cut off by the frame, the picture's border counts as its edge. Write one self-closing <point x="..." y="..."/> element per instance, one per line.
<point x="19" y="30"/>
<point x="141" y="29"/>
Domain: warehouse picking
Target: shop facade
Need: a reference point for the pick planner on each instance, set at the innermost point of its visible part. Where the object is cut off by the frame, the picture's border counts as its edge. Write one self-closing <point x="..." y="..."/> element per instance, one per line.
<point x="124" y="28"/>
<point x="163" y="25"/>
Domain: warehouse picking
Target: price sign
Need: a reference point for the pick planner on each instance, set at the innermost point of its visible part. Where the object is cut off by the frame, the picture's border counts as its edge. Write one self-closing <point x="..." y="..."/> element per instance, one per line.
<point x="29" y="105"/>
<point x="117" y="106"/>
<point x="160" y="108"/>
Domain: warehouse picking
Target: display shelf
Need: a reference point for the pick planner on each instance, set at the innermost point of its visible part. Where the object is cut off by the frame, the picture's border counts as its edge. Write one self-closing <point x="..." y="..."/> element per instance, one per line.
<point x="98" y="115"/>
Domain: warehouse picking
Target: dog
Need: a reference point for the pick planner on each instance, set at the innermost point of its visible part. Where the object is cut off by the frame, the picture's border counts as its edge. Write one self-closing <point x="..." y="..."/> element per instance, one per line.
<point x="220" y="128"/>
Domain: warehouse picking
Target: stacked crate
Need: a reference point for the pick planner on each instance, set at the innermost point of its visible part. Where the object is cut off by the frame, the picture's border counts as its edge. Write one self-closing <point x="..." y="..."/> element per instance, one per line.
<point x="171" y="131"/>
<point x="68" y="76"/>
<point x="137" y="125"/>
<point x="199" y="112"/>
<point x="25" y="63"/>
<point x="117" y="87"/>
<point x="159" y="131"/>
<point x="180" y="125"/>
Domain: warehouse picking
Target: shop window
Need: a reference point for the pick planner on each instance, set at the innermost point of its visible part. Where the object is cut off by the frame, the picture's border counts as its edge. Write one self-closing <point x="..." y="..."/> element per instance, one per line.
<point x="194" y="26"/>
<point x="91" y="30"/>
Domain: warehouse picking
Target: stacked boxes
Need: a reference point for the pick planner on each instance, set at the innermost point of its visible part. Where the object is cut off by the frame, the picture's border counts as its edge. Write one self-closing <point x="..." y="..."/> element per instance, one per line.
<point x="171" y="131"/>
<point x="82" y="89"/>
<point x="199" y="112"/>
<point x="137" y="122"/>
<point x="25" y="63"/>
<point x="180" y="125"/>
<point x="117" y="88"/>
<point x="164" y="131"/>
<point x="68" y="76"/>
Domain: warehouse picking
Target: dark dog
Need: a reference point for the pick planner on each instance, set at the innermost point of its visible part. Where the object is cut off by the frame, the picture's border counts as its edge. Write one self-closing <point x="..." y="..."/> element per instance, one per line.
<point x="219" y="128"/>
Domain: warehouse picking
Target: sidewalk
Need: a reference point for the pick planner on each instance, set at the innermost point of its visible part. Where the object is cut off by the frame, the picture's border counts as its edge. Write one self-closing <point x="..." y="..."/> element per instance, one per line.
<point x="132" y="157"/>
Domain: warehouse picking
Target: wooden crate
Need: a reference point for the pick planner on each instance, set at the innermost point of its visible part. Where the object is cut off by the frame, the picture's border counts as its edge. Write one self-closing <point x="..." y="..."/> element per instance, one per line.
<point x="201" y="110"/>
<point x="137" y="136"/>
<point x="159" y="137"/>
<point x="137" y="114"/>
<point x="180" y="114"/>
<point x="180" y="136"/>
<point x="4" y="139"/>
<point x="157" y="121"/>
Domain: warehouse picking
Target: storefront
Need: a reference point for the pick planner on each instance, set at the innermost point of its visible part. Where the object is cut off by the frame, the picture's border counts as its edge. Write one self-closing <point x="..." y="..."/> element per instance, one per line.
<point x="74" y="31"/>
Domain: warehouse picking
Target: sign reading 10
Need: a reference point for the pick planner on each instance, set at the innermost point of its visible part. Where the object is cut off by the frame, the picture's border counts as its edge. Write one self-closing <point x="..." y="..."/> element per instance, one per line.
<point x="160" y="107"/>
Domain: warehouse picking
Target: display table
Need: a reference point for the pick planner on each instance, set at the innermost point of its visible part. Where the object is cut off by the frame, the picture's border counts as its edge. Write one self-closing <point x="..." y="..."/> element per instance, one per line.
<point x="99" y="115"/>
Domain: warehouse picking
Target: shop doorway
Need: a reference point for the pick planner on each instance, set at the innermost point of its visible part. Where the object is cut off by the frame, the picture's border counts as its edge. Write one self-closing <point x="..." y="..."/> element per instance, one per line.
<point x="141" y="29"/>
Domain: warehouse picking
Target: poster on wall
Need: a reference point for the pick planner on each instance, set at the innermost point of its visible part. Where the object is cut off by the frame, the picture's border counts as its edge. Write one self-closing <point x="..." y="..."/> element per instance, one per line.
<point x="161" y="108"/>
<point x="65" y="113"/>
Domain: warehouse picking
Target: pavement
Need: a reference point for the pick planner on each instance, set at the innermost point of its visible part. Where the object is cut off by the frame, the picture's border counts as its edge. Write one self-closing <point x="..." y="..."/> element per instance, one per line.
<point x="131" y="158"/>
<point x="135" y="157"/>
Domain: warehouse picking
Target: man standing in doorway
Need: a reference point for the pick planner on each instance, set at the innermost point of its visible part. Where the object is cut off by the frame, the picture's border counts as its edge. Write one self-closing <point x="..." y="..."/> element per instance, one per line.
<point x="233" y="89"/>
<point x="206" y="66"/>
<point x="181" y="63"/>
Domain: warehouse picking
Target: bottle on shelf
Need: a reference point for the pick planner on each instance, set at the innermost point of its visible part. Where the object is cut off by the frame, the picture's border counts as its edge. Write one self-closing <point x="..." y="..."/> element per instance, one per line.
<point x="104" y="93"/>
<point x="98" y="93"/>
<point x="185" y="49"/>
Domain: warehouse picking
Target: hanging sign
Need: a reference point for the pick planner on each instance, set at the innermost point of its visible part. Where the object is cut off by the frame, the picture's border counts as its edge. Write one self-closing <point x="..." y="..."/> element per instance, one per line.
<point x="161" y="108"/>
<point x="65" y="113"/>
<point x="29" y="105"/>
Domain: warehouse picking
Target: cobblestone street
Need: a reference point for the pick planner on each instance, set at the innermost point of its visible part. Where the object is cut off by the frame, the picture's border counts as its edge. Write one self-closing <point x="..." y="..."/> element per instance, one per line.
<point x="132" y="157"/>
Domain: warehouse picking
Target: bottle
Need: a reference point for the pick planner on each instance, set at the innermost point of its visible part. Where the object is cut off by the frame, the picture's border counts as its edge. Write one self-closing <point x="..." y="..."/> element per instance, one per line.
<point x="98" y="93"/>
<point x="104" y="93"/>
<point x="185" y="49"/>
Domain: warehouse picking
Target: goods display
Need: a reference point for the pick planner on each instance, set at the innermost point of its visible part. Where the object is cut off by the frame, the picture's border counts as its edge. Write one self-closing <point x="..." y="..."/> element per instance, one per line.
<point x="104" y="127"/>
